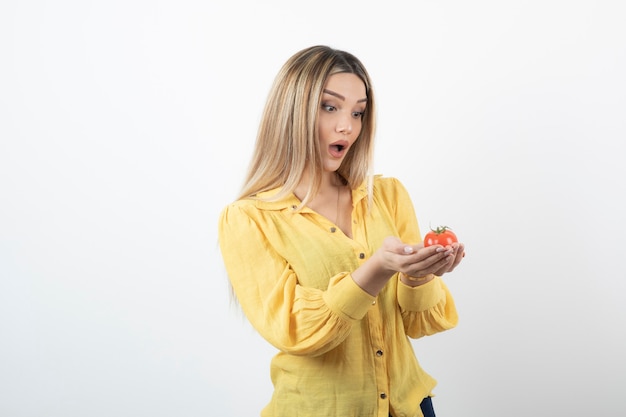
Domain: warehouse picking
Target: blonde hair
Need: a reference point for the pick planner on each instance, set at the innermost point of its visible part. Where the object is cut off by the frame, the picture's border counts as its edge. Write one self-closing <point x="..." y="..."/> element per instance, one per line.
<point x="288" y="136"/>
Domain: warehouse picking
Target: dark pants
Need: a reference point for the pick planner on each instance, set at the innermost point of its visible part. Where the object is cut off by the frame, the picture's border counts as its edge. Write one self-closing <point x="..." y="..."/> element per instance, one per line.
<point x="427" y="408"/>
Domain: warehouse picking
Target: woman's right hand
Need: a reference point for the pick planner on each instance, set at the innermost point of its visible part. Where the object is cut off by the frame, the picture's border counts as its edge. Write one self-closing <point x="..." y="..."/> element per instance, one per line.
<point x="415" y="260"/>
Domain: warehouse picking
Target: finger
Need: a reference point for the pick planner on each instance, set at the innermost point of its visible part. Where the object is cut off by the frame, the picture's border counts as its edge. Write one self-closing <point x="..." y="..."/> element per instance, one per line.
<point x="430" y="264"/>
<point x="460" y="254"/>
<point x="438" y="269"/>
<point x="462" y="250"/>
<point x="395" y="245"/>
<point x="419" y="247"/>
<point x="421" y="259"/>
<point x="458" y="259"/>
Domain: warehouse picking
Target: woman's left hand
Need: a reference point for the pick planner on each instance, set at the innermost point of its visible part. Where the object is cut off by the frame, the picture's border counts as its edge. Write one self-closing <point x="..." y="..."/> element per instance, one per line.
<point x="458" y="252"/>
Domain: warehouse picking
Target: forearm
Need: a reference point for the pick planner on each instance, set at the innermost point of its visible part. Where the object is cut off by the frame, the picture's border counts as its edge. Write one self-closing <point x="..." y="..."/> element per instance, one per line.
<point x="372" y="275"/>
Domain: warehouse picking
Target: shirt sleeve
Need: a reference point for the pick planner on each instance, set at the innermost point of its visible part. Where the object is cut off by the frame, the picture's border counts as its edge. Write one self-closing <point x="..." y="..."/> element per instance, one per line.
<point x="295" y="319"/>
<point x="429" y="308"/>
<point x="426" y="309"/>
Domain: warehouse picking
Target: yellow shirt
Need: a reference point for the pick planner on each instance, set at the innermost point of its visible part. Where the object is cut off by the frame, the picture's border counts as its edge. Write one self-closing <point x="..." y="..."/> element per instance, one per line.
<point x="342" y="352"/>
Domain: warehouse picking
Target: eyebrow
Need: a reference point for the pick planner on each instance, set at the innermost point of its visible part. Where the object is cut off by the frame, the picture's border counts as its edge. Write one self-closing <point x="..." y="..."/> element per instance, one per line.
<point x="339" y="96"/>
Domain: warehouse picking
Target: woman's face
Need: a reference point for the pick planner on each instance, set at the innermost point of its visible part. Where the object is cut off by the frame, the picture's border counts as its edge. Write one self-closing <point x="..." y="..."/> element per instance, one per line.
<point x="340" y="117"/>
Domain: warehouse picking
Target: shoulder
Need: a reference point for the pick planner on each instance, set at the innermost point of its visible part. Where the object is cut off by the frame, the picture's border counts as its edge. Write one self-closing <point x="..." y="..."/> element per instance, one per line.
<point x="240" y="218"/>
<point x="247" y="207"/>
<point x="383" y="181"/>
<point x="264" y="201"/>
<point x="388" y="187"/>
<point x="389" y="192"/>
<point x="258" y="209"/>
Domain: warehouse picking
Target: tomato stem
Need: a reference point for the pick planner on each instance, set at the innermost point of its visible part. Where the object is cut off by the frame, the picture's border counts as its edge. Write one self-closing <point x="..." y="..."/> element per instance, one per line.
<point x="440" y="229"/>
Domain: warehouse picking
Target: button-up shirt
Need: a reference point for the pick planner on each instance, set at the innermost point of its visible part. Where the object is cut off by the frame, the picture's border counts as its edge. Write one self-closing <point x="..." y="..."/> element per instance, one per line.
<point x="341" y="351"/>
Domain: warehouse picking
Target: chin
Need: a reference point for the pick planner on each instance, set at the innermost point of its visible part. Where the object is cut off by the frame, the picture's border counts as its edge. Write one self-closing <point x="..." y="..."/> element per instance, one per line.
<point x="334" y="167"/>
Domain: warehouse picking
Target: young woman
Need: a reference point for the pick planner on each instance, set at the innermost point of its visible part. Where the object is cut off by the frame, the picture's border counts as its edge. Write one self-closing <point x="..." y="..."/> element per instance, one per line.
<point x="326" y="260"/>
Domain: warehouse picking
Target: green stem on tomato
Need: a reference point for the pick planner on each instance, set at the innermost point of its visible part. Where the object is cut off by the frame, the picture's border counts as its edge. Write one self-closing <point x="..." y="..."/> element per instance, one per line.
<point x="440" y="229"/>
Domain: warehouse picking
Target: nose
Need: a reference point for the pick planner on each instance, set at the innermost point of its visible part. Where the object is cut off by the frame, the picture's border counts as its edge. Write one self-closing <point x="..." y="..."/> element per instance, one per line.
<point x="344" y="125"/>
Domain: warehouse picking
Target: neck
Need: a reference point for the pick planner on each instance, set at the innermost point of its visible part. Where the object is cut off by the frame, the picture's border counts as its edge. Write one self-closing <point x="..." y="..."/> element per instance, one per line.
<point x="331" y="201"/>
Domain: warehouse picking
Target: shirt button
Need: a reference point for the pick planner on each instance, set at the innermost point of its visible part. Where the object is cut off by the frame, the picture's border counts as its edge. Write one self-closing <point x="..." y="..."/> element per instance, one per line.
<point x="383" y="395"/>
<point x="379" y="353"/>
<point x="333" y="229"/>
<point x="361" y="255"/>
<point x="294" y="207"/>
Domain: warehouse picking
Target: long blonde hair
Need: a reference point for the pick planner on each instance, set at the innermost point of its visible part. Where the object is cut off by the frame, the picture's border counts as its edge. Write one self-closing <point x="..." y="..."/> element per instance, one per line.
<point x="288" y="136"/>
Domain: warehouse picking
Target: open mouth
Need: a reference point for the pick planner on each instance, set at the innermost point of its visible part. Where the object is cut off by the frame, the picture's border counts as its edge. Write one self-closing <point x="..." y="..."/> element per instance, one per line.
<point x="338" y="149"/>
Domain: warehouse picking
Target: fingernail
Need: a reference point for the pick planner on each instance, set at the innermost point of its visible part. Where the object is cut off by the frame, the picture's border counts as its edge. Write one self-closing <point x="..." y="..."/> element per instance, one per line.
<point x="408" y="249"/>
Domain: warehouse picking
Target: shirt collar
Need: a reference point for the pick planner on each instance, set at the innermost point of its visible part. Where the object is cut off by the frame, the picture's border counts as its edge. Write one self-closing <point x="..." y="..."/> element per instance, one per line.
<point x="291" y="202"/>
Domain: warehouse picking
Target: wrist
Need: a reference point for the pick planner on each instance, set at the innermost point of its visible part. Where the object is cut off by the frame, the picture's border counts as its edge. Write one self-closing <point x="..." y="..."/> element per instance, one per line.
<point x="415" y="281"/>
<point x="372" y="276"/>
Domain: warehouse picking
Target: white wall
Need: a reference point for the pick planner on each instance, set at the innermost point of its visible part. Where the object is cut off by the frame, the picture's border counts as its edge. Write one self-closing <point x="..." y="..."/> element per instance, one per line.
<point x="125" y="127"/>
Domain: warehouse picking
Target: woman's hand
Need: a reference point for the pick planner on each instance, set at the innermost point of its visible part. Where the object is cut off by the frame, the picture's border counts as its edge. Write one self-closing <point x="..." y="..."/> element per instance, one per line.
<point x="458" y="253"/>
<point x="419" y="262"/>
<point x="413" y="260"/>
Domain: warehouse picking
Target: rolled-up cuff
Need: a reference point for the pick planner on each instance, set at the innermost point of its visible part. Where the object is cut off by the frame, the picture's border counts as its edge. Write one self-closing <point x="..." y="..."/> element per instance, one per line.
<point x="421" y="297"/>
<point x="346" y="299"/>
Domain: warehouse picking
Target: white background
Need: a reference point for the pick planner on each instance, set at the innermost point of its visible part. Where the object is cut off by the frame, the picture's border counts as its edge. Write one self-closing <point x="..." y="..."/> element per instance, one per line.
<point x="125" y="127"/>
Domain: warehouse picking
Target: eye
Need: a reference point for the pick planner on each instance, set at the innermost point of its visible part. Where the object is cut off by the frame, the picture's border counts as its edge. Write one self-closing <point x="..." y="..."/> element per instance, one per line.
<point x="328" y="107"/>
<point x="358" y="114"/>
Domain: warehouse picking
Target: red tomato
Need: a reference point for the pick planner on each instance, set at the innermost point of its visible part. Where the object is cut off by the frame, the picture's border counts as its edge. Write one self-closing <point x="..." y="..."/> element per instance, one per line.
<point x="440" y="236"/>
